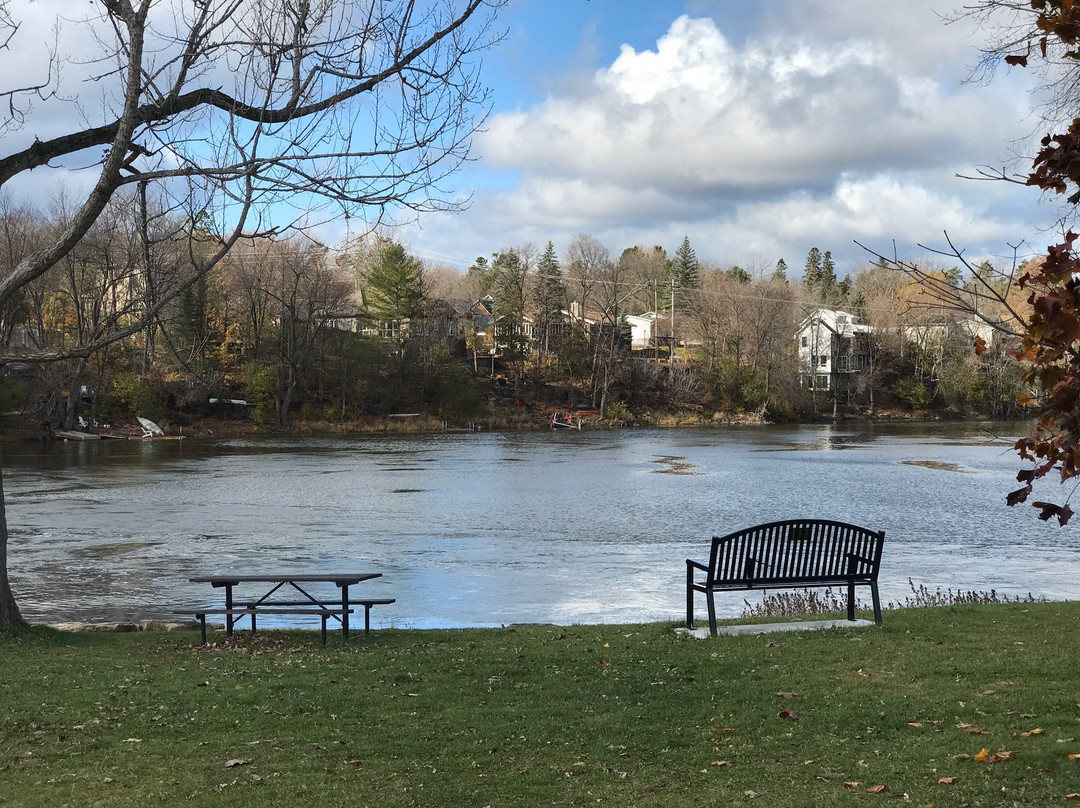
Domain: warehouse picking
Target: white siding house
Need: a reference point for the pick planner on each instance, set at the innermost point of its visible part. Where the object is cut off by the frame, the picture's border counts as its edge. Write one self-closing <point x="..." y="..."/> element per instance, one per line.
<point x="833" y="346"/>
<point x="643" y="329"/>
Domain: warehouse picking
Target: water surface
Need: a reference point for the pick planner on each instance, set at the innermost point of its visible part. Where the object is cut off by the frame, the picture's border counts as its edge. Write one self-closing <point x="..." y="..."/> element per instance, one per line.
<point x="491" y="529"/>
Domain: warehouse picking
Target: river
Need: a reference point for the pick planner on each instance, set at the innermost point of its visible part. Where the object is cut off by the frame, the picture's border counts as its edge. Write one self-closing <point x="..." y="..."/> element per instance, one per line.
<point x="491" y="529"/>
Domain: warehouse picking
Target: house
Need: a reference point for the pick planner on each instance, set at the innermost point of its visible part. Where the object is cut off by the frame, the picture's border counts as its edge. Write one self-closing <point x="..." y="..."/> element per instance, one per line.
<point x="834" y="350"/>
<point x="645" y="330"/>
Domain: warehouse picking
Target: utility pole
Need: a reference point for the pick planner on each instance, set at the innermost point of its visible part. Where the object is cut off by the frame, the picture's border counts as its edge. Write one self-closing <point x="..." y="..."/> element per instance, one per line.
<point x="671" y="347"/>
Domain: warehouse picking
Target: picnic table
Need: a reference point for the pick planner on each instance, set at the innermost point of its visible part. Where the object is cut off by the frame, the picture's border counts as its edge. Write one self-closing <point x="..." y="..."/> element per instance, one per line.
<point x="276" y="589"/>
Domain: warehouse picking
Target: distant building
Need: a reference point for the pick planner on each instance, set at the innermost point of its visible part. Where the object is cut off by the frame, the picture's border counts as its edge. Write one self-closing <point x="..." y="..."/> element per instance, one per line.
<point x="834" y="350"/>
<point x="645" y="330"/>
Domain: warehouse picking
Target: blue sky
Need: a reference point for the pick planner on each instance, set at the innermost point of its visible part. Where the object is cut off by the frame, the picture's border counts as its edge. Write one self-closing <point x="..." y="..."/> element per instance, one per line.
<point x="757" y="129"/>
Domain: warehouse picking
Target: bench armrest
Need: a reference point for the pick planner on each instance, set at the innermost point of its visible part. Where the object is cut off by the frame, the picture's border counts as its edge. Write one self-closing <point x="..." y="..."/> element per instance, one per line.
<point x="857" y="557"/>
<point x="690" y="564"/>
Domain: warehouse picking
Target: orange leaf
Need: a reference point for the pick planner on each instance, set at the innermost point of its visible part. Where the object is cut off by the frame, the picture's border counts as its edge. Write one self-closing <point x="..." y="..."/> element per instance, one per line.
<point x="947" y="781"/>
<point x="982" y="755"/>
<point x="1030" y="732"/>
<point x="876" y="789"/>
<point x="1074" y="756"/>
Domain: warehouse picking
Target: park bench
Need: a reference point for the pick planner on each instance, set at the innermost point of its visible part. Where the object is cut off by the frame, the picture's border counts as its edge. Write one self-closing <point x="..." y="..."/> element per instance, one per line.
<point x="792" y="554"/>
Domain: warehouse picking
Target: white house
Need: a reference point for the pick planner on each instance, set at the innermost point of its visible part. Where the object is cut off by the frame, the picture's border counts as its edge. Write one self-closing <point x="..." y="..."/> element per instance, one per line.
<point x="644" y="329"/>
<point x="833" y="345"/>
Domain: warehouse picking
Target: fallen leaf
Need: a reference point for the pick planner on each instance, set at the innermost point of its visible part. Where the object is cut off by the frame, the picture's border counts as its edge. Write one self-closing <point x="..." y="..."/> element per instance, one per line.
<point x="785" y="695"/>
<point x="984" y="756"/>
<point x="876" y="789"/>
<point x="961" y="756"/>
<point x="750" y="795"/>
<point x="1074" y="756"/>
<point x="789" y="714"/>
<point x="852" y="784"/>
<point x="1074" y="796"/>
<point x="1030" y="732"/>
<point x="721" y="763"/>
<point x="355" y="762"/>
<point x="234" y="762"/>
<point x="861" y="675"/>
<point x="947" y="781"/>
<point x="914" y="723"/>
<point x="972" y="728"/>
<point x="989" y="692"/>
<point x="724" y="730"/>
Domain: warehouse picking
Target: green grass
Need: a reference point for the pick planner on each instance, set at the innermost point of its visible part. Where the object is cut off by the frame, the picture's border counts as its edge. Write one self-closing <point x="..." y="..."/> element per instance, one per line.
<point x="550" y="716"/>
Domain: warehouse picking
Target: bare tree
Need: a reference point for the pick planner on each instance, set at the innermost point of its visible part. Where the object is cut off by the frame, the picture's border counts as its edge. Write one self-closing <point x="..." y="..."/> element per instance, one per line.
<point x="252" y="116"/>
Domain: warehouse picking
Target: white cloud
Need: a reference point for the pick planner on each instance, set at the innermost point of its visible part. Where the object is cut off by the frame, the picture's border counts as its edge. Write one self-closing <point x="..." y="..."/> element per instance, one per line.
<point x="815" y="130"/>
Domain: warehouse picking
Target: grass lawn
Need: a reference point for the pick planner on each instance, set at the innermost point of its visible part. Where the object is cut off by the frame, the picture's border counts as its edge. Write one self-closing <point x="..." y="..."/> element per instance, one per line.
<point x="552" y="716"/>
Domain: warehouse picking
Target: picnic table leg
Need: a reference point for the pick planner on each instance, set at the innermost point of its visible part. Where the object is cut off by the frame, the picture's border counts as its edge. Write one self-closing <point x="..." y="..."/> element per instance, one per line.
<point x="202" y="627"/>
<point x="344" y="614"/>
<point x="324" y="616"/>
<point x="229" y="617"/>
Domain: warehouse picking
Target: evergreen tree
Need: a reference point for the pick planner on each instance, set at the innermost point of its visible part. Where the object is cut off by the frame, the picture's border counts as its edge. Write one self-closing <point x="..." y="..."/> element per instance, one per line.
<point x="550" y="294"/>
<point x="739" y="275"/>
<point x="812" y="273"/>
<point x="395" y="288"/>
<point x="780" y="273"/>
<point x="684" y="269"/>
<point x="828" y="272"/>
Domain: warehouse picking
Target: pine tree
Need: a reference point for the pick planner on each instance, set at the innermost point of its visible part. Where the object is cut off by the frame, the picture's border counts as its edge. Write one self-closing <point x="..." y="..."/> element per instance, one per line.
<point x="812" y="273"/>
<point x="550" y="294"/>
<point x="780" y="273"/>
<point x="395" y="288"/>
<point x="684" y="269"/>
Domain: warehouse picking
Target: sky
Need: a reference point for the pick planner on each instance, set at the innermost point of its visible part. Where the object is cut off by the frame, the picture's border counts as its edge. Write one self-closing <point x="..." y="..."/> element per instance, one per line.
<point x="757" y="130"/>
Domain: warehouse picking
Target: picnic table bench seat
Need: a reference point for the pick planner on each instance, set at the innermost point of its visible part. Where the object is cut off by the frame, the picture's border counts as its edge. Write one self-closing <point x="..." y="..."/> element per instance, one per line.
<point x="790" y="554"/>
<point x="367" y="603"/>
<point x="325" y="612"/>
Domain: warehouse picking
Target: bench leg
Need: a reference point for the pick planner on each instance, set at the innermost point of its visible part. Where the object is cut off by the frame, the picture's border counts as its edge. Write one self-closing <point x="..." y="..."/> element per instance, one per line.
<point x="689" y="597"/>
<point x="710" y="599"/>
<point x="877" y="602"/>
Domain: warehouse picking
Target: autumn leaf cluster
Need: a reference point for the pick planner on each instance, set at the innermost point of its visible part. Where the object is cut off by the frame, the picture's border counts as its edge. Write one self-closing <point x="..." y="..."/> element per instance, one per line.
<point x="1050" y="347"/>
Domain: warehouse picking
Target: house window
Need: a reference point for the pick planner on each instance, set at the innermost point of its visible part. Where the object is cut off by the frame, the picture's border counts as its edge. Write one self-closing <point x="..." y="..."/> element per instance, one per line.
<point x="805" y="342"/>
<point x="823" y="361"/>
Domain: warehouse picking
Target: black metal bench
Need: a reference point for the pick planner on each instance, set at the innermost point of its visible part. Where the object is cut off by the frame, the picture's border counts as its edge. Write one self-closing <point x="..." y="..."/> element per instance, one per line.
<point x="251" y="611"/>
<point x="792" y="554"/>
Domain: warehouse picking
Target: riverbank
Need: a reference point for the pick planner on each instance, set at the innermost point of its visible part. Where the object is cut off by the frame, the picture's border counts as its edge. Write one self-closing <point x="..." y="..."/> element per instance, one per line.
<point x="501" y="419"/>
<point x="964" y="705"/>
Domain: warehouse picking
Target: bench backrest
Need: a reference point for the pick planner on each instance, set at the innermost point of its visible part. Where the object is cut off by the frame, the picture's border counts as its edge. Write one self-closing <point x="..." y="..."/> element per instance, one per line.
<point x="797" y="549"/>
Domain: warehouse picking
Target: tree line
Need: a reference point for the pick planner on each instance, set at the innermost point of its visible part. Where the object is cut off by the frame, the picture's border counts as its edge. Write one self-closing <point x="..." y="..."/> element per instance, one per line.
<point x="297" y="329"/>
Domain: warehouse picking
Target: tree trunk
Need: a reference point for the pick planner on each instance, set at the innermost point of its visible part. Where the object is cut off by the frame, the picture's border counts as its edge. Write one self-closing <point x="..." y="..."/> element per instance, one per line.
<point x="9" y="609"/>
